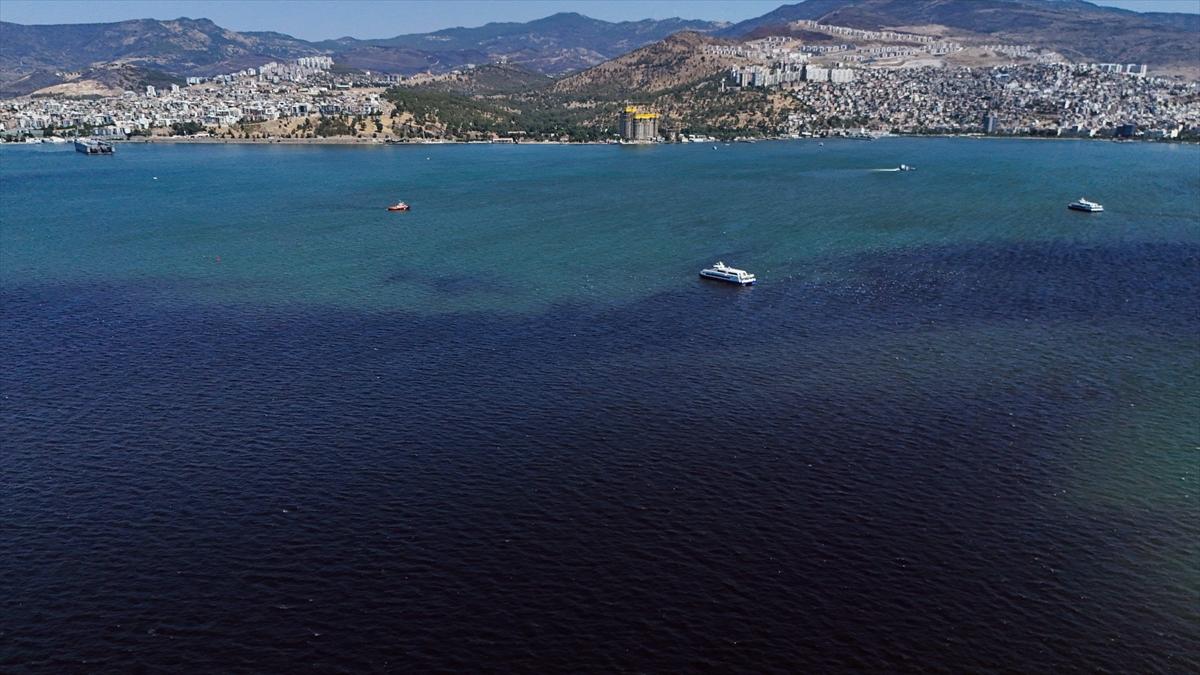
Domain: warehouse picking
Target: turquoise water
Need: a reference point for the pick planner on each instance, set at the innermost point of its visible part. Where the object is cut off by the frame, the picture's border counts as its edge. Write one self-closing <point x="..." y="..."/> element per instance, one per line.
<point x="520" y="228"/>
<point x="251" y="420"/>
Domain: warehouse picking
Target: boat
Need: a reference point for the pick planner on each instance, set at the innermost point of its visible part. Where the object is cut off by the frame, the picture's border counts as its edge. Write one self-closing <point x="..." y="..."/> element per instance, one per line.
<point x="905" y="167"/>
<point x="723" y="272"/>
<point x="398" y="206"/>
<point x="1085" y="205"/>
<point x="92" y="147"/>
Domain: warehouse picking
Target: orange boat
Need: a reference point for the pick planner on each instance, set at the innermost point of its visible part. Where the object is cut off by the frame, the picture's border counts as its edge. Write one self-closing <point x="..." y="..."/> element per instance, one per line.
<point x="398" y="206"/>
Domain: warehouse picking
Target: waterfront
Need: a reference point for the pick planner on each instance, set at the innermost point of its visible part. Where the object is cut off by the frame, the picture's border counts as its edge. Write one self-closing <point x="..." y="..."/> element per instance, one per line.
<point x="254" y="421"/>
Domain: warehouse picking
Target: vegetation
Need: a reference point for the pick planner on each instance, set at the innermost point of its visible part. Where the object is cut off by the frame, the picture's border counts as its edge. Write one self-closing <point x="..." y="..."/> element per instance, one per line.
<point x="333" y="126"/>
<point x="186" y="128"/>
<point x="457" y="114"/>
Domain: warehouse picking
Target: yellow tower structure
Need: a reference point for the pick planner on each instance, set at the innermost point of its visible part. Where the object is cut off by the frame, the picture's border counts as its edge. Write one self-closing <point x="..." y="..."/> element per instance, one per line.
<point x="638" y="125"/>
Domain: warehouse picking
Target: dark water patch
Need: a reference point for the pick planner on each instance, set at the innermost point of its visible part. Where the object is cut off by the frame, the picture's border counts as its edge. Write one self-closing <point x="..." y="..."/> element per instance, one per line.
<point x="864" y="473"/>
<point x="453" y="285"/>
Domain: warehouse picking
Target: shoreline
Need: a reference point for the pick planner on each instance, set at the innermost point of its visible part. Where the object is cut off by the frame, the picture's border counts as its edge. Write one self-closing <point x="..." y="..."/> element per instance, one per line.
<point x="332" y="140"/>
<point x="335" y="140"/>
<point x="378" y="142"/>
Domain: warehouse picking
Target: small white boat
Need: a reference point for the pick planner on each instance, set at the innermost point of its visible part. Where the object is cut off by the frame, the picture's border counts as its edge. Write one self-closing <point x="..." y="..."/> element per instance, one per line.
<point x="1085" y="205"/>
<point x="905" y="167"/>
<point x="722" y="272"/>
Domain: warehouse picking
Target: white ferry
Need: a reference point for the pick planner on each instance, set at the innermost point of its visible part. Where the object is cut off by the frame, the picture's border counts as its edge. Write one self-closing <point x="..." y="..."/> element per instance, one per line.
<point x="1085" y="205"/>
<point x="722" y="272"/>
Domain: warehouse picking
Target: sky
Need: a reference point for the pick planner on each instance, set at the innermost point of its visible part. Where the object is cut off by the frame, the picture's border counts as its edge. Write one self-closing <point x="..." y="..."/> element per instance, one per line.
<point x="325" y="19"/>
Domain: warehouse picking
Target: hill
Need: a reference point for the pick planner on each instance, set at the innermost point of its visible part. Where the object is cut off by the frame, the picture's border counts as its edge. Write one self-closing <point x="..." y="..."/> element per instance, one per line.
<point x="1079" y="30"/>
<point x="669" y="63"/>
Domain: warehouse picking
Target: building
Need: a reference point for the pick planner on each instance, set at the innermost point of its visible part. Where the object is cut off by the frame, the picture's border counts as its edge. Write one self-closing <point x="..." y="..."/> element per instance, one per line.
<point x="638" y="125"/>
<point x="816" y="74"/>
<point x="989" y="123"/>
<point x="841" y="75"/>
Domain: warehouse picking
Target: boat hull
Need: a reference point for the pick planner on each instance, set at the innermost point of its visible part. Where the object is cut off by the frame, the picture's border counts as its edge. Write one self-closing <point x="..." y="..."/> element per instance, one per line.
<point x="1085" y="209"/>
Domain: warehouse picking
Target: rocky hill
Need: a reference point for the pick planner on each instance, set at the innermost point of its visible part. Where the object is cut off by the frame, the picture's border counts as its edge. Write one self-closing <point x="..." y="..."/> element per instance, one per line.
<point x="670" y="63"/>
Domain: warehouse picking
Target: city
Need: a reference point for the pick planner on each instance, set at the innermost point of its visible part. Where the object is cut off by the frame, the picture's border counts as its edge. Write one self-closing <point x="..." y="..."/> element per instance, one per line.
<point x="812" y="94"/>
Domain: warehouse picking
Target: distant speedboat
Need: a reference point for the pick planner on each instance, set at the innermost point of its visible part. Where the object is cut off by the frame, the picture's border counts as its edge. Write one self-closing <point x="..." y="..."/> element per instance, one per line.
<point x="1085" y="205"/>
<point x="722" y="272"/>
<point x="398" y="206"/>
<point x="905" y="167"/>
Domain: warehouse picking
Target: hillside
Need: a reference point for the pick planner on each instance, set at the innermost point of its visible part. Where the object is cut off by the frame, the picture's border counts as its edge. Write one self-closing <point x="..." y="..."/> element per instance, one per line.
<point x="490" y="80"/>
<point x="1079" y="30"/>
<point x="108" y="80"/>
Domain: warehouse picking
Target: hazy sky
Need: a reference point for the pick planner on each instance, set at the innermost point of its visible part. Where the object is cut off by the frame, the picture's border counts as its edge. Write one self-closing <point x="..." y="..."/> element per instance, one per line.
<point x="321" y="19"/>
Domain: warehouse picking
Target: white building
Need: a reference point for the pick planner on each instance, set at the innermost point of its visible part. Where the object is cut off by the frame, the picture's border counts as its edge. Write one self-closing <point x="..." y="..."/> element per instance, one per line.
<point x="841" y="75"/>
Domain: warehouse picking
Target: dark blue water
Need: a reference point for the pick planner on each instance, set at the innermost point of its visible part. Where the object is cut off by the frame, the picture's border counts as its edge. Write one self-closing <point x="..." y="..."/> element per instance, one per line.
<point x="959" y="443"/>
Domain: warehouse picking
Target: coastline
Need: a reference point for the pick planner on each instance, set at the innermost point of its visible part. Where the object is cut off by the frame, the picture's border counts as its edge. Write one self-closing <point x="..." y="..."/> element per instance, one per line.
<point x="342" y="140"/>
<point x="382" y="142"/>
<point x="330" y="140"/>
<point x="379" y="142"/>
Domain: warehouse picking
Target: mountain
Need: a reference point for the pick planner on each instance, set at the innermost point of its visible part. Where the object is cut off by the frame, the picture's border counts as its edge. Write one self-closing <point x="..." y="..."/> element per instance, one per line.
<point x="182" y="46"/>
<point x="554" y="45"/>
<point x="1077" y="29"/>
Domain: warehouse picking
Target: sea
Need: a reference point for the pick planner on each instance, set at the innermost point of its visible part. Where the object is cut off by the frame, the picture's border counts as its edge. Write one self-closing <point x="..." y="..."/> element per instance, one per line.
<point x="251" y="421"/>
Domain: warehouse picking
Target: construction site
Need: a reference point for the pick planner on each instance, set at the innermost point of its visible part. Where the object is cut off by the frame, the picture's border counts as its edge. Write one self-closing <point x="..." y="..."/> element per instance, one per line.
<point x="638" y="125"/>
